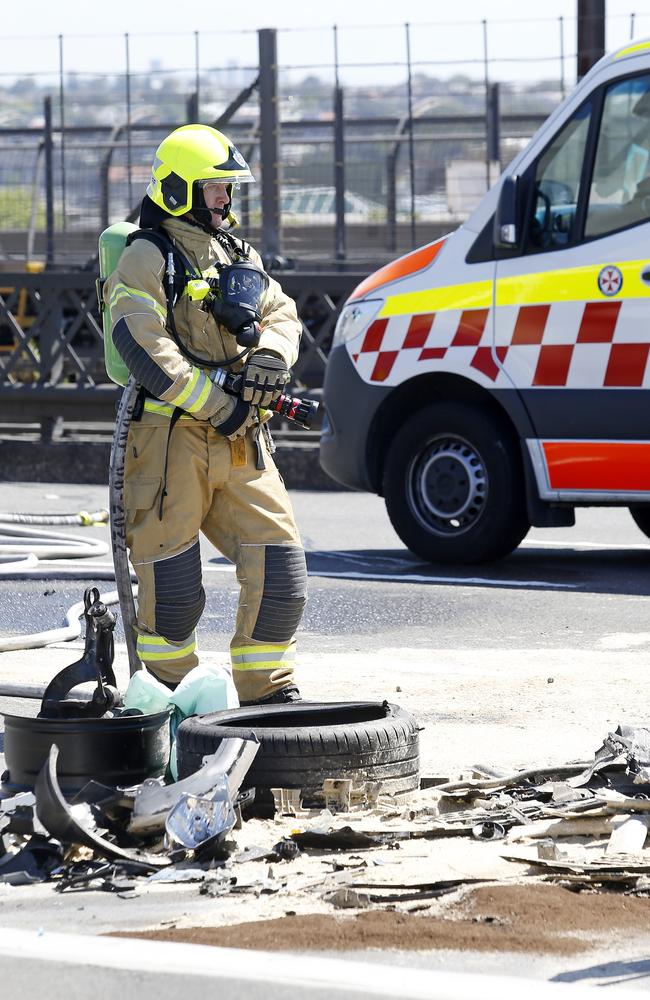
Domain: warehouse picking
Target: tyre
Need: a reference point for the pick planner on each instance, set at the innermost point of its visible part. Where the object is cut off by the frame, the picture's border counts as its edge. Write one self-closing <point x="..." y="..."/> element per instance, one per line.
<point x="303" y="743"/>
<point x="454" y="484"/>
<point x="641" y="516"/>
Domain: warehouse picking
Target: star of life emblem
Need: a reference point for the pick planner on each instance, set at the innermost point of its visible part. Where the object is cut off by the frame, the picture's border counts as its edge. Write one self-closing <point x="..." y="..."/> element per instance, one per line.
<point x="610" y="280"/>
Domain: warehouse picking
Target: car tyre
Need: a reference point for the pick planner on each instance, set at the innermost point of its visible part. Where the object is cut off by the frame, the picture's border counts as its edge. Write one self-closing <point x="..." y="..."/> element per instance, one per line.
<point x="303" y="743"/>
<point x="454" y="485"/>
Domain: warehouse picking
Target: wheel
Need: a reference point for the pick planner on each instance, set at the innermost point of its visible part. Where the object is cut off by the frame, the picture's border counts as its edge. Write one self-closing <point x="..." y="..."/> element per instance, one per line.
<point x="641" y="516"/>
<point x="454" y="485"/>
<point x="303" y="743"/>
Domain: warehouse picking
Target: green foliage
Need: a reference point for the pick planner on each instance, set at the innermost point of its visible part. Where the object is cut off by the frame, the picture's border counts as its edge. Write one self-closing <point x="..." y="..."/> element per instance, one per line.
<point x="16" y="208"/>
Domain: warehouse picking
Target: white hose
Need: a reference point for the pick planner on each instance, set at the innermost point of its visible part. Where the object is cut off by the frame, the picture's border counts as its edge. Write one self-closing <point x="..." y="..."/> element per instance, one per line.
<point x="28" y="553"/>
<point x="46" y="545"/>
<point x="65" y="634"/>
<point x="82" y="517"/>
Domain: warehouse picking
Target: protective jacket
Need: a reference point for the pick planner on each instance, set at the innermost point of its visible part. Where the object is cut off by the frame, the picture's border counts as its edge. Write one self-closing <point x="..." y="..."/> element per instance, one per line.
<point x="192" y="479"/>
<point x="137" y="299"/>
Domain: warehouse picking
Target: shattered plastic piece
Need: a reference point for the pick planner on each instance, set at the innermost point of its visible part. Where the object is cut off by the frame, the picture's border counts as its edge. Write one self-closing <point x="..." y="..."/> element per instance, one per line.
<point x="193" y="820"/>
<point x="288" y="801"/>
<point x="343" y="794"/>
<point x="176" y="874"/>
<point x="629" y="837"/>
<point x="81" y="875"/>
<point x="488" y="830"/>
<point x="347" y="899"/>
<point x="34" y="863"/>
<point x="216" y="885"/>
<point x="153" y="801"/>
<point x="252" y="853"/>
<point x="285" y="850"/>
<point x="345" y="839"/>
<point x="57" y="817"/>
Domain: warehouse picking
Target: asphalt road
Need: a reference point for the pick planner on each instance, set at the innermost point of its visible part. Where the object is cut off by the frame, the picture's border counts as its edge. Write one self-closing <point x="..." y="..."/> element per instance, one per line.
<point x="570" y="586"/>
<point x="563" y="594"/>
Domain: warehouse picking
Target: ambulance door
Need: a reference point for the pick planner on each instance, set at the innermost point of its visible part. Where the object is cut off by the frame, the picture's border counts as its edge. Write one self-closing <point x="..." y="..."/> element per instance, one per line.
<point x="572" y="304"/>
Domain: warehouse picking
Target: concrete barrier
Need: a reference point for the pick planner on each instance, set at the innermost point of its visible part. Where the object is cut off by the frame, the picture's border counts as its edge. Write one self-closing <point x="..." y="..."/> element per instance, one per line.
<point x="87" y="462"/>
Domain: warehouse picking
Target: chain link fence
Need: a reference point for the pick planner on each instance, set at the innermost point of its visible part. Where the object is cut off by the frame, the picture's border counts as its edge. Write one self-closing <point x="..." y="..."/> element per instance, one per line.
<point x="376" y="155"/>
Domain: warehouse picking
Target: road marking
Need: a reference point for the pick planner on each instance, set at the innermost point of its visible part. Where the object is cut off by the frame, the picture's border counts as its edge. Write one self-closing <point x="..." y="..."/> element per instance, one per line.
<point x="297" y="975"/>
<point x="471" y="581"/>
<point x="612" y="546"/>
<point x="405" y="577"/>
<point x="624" y="640"/>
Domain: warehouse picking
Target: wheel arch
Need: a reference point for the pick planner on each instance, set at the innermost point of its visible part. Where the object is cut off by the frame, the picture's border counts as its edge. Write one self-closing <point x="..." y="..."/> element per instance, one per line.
<point x="421" y="391"/>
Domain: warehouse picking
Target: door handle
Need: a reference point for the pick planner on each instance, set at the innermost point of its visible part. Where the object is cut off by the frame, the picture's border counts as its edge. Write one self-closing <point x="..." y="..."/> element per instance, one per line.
<point x="645" y="274"/>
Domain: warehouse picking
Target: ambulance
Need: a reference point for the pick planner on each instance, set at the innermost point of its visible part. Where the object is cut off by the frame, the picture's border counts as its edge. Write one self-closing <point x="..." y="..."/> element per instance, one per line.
<point x="498" y="378"/>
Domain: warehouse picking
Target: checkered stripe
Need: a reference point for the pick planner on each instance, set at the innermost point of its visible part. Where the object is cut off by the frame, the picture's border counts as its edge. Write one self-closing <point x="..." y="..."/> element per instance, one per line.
<point x="570" y="344"/>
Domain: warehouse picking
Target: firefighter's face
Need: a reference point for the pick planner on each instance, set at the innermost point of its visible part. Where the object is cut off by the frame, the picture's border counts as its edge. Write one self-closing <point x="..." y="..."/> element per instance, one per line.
<point x="216" y="198"/>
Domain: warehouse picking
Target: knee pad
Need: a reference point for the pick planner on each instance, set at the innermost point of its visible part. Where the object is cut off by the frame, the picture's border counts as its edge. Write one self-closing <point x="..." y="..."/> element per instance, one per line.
<point x="180" y="597"/>
<point x="284" y="593"/>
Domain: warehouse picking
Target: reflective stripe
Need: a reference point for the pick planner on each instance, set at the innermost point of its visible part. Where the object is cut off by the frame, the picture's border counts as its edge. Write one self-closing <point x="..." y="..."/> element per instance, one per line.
<point x="196" y="392"/>
<point x="616" y="466"/>
<point x="477" y="295"/>
<point x="164" y="409"/>
<point x="154" y="647"/>
<point x="631" y="49"/>
<point x="253" y="657"/>
<point x="122" y="291"/>
<point x="262" y="657"/>
<point x="575" y="284"/>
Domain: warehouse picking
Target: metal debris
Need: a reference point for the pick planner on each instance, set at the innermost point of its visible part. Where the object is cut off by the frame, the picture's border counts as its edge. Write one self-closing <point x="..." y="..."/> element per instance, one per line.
<point x="582" y="824"/>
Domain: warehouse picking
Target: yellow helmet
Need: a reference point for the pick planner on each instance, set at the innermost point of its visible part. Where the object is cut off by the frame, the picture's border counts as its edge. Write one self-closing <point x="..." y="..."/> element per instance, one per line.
<point x="189" y="155"/>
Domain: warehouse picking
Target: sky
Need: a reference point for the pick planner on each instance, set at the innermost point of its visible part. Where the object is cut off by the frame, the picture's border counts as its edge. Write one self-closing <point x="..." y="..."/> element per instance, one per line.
<point x="523" y="39"/>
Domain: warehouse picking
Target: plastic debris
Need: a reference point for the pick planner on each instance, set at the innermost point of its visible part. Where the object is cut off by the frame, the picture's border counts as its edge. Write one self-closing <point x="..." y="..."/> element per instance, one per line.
<point x="193" y="820"/>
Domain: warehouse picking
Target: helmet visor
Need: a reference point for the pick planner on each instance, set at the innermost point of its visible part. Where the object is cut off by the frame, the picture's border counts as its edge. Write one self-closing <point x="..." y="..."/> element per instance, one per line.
<point x="215" y="185"/>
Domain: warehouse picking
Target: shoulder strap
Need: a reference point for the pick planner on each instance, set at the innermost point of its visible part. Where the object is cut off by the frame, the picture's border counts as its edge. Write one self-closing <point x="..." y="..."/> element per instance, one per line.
<point x="182" y="266"/>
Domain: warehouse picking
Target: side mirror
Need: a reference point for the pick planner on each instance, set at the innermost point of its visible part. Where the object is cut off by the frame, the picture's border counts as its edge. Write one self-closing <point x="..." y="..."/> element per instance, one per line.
<point x="506" y="217"/>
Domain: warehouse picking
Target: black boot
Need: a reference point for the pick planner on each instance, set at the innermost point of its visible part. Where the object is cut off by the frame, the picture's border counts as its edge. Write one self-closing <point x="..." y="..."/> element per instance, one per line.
<point x="283" y="696"/>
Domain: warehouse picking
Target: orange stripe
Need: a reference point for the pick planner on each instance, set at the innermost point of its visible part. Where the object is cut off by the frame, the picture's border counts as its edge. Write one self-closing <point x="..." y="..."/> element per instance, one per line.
<point x="409" y="264"/>
<point x="618" y="466"/>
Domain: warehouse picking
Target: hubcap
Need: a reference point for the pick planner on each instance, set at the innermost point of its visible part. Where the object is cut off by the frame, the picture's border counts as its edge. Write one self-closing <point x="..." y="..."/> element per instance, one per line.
<point x="447" y="485"/>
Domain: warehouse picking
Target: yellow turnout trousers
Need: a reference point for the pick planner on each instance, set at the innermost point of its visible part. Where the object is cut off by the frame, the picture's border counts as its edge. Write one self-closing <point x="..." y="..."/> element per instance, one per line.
<point x="190" y="480"/>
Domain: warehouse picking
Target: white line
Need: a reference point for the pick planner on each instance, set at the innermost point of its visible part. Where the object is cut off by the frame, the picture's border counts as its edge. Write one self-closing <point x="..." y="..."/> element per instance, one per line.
<point x="300" y="974"/>
<point x="612" y="546"/>
<point x="470" y="581"/>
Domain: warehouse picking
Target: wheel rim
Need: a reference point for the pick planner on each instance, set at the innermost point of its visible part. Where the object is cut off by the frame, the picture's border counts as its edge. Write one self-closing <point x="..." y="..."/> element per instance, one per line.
<point x="447" y="485"/>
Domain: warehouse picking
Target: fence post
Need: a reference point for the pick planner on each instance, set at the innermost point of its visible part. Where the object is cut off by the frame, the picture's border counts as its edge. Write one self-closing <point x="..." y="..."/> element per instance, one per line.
<point x="62" y="122"/>
<point x="591" y="34"/>
<point x="192" y="108"/>
<point x="197" y="75"/>
<point x="339" y="174"/>
<point x="49" y="182"/>
<point x="409" y="94"/>
<point x="486" y="75"/>
<point x="269" y="142"/>
<point x="129" y="185"/>
<point x="339" y="157"/>
<point x="493" y="122"/>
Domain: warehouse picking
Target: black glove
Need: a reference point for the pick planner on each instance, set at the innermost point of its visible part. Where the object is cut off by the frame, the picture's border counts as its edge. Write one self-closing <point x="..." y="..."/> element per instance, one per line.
<point x="265" y="376"/>
<point x="243" y="323"/>
<point x="233" y="417"/>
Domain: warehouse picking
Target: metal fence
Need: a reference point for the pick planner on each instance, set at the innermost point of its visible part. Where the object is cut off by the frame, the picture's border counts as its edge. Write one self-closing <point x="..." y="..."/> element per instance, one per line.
<point x="51" y="344"/>
<point x="358" y="159"/>
<point x="375" y="152"/>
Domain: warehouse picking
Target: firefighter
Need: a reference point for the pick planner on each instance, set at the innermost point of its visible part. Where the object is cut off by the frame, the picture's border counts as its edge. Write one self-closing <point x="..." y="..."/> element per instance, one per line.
<point x="198" y="459"/>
